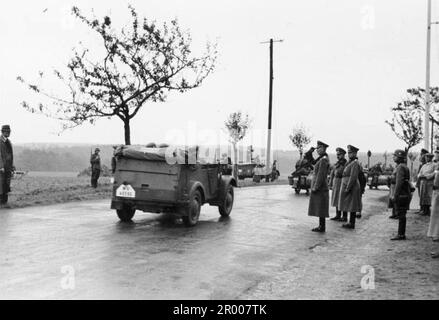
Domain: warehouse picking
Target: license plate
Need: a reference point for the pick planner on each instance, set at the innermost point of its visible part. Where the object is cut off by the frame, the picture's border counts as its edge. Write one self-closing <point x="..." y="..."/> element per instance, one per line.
<point x="125" y="191"/>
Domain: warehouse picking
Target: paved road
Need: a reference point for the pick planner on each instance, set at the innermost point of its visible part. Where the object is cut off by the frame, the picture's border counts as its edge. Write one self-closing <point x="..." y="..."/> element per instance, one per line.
<point x="264" y="250"/>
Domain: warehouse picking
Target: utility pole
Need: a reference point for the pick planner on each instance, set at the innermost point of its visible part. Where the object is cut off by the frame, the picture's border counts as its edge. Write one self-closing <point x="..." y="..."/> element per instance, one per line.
<point x="427" y="80"/>
<point x="270" y="105"/>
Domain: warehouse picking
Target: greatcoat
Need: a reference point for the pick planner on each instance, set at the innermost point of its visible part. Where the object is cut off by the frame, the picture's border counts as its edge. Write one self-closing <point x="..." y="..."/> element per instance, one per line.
<point x="7" y="163"/>
<point x="319" y="198"/>
<point x="335" y="181"/>
<point x="433" y="228"/>
<point x="425" y="177"/>
<point x="350" y="192"/>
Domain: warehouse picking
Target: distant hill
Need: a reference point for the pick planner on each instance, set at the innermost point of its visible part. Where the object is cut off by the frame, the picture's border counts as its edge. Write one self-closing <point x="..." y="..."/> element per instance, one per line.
<point x="75" y="157"/>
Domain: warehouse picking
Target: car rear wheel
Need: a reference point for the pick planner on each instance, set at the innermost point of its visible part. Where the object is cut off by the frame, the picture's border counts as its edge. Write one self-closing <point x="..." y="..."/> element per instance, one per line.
<point x="226" y="206"/>
<point x="126" y="213"/>
<point x="297" y="190"/>
<point x="193" y="210"/>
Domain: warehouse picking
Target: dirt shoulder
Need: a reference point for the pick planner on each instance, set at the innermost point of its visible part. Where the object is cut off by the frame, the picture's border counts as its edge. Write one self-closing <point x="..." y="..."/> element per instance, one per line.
<point x="45" y="190"/>
<point x="336" y="265"/>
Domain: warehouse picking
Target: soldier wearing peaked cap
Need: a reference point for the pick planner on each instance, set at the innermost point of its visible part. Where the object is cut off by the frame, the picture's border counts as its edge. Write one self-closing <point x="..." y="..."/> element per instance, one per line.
<point x="335" y="183"/>
<point x="350" y="193"/>
<point x="319" y="198"/>
<point x="6" y="164"/>
<point x="402" y="191"/>
<point x="95" y="161"/>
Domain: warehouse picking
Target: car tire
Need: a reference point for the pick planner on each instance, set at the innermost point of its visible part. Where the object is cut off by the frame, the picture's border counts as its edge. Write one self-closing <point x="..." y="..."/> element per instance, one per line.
<point x="226" y="206"/>
<point x="297" y="190"/>
<point x="193" y="209"/>
<point x="126" y="213"/>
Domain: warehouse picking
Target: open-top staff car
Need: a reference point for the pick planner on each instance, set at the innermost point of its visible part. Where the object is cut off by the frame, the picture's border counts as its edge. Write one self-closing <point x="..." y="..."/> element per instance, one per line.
<point x="169" y="180"/>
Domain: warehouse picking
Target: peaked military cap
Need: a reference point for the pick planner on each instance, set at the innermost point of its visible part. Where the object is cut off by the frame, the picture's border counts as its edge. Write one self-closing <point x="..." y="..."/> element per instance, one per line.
<point x="424" y="151"/>
<point x="6" y="127"/>
<point x="97" y="149"/>
<point x="321" y="144"/>
<point x="352" y="148"/>
<point x="399" y="153"/>
<point x="340" y="150"/>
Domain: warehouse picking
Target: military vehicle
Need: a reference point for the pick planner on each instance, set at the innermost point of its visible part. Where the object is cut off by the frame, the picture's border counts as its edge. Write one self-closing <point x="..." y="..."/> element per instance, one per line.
<point x="169" y="180"/>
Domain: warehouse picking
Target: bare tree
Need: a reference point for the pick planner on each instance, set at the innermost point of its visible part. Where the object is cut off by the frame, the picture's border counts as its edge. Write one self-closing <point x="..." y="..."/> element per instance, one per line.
<point x="237" y="125"/>
<point x="142" y="62"/>
<point x="407" y="126"/>
<point x="300" y="138"/>
<point x="415" y="101"/>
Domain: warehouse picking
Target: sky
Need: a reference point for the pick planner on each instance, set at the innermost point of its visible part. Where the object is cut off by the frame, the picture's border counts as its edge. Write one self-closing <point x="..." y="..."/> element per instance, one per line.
<point x="340" y="68"/>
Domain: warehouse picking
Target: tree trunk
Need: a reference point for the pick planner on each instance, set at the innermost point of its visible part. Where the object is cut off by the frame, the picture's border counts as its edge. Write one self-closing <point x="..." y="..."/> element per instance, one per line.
<point x="301" y="154"/>
<point x="235" y="162"/>
<point x="127" y="130"/>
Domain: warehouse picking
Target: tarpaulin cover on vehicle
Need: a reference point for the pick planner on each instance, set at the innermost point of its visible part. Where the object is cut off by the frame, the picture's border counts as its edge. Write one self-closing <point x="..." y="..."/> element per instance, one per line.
<point x="170" y="154"/>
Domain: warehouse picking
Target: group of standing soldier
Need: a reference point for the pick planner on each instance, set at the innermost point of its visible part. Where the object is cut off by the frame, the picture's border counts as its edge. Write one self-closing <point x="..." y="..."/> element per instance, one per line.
<point x="344" y="182"/>
<point x="347" y="191"/>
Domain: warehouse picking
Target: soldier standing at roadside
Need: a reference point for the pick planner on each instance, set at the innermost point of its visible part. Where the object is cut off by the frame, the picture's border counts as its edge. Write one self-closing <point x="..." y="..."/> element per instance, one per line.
<point x="319" y="198"/>
<point x="335" y="184"/>
<point x="95" y="161"/>
<point x="426" y="177"/>
<point x="402" y="193"/>
<point x="418" y="182"/>
<point x="6" y="164"/>
<point x="350" y="193"/>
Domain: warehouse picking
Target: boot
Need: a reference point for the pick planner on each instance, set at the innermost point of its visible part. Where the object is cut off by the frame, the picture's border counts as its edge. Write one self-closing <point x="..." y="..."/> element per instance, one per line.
<point x="345" y="217"/>
<point x="358" y="216"/>
<point x="351" y="224"/>
<point x="394" y="215"/>
<point x="337" y="215"/>
<point x="321" y="227"/>
<point x="424" y="210"/>
<point x="401" y="229"/>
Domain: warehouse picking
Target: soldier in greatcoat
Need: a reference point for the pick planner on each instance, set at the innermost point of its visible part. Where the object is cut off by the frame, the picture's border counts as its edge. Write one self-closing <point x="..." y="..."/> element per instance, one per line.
<point x="95" y="161"/>
<point x="335" y="184"/>
<point x="6" y="164"/>
<point x="319" y="198"/>
<point x="402" y="193"/>
<point x="418" y="182"/>
<point x="425" y="177"/>
<point x="350" y="192"/>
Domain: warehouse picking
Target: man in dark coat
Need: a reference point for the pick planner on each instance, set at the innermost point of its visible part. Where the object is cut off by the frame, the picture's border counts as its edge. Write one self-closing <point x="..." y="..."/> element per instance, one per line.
<point x="402" y="194"/>
<point x="6" y="164"/>
<point x="95" y="161"/>
<point x="319" y="199"/>
<point x="335" y="184"/>
<point x="350" y="194"/>
<point x="114" y="160"/>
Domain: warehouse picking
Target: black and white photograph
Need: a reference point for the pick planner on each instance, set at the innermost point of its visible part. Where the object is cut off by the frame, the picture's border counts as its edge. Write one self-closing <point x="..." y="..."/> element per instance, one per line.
<point x="239" y="151"/>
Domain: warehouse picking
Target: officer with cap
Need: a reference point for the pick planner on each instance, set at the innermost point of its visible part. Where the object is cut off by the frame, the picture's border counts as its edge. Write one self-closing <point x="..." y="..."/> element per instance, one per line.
<point x="402" y="192"/>
<point x="335" y="183"/>
<point x="95" y="161"/>
<point x="319" y="198"/>
<point x="6" y="164"/>
<point x="350" y="193"/>
<point x="426" y="177"/>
